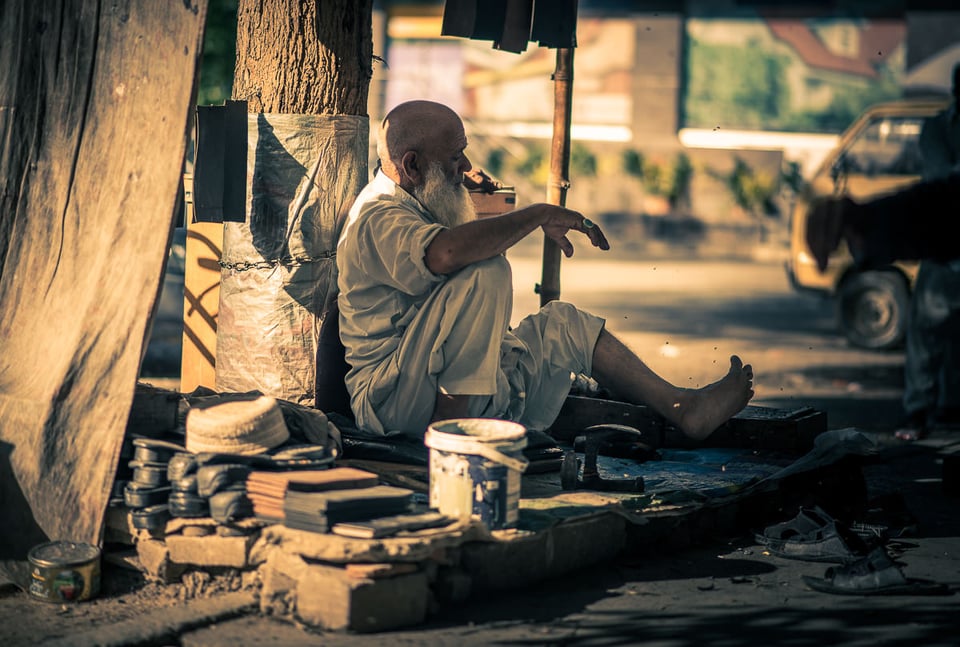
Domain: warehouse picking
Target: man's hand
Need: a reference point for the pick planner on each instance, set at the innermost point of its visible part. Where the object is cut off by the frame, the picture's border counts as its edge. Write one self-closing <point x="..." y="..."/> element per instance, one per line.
<point x="476" y="179"/>
<point x="827" y="224"/>
<point x="562" y="220"/>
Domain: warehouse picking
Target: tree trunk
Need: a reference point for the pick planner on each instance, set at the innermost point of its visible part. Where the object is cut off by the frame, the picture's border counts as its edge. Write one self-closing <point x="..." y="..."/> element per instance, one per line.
<point x="304" y="56"/>
<point x="304" y="69"/>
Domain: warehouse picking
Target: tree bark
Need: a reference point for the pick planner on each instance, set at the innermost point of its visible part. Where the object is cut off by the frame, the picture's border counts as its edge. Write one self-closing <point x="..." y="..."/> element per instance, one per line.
<point x="304" y="56"/>
<point x="304" y="69"/>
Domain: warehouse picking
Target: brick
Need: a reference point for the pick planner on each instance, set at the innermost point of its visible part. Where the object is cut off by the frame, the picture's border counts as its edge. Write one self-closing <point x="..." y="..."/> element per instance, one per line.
<point x="277" y="591"/>
<point x="210" y="551"/>
<point x="330" y="599"/>
<point x="155" y="561"/>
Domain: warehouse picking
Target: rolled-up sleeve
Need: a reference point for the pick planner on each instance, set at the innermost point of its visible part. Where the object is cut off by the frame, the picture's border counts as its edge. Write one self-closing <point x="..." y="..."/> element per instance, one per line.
<point x="393" y="252"/>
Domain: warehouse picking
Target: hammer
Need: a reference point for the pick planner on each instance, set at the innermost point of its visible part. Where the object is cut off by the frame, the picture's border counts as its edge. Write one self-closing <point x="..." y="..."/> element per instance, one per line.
<point x="570" y="479"/>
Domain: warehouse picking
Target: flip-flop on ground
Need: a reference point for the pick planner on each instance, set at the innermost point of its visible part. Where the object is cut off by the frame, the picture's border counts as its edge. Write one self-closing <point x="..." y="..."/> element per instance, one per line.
<point x="875" y="574"/>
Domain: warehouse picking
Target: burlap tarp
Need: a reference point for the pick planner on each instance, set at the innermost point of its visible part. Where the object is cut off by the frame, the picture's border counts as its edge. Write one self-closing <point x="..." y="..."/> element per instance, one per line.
<point x="95" y="99"/>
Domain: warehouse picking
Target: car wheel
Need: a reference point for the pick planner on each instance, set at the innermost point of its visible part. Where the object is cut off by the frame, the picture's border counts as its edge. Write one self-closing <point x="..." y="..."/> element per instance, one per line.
<point x="873" y="309"/>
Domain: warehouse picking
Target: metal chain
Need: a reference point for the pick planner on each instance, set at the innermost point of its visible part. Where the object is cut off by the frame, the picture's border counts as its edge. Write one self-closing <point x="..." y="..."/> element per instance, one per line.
<point x="287" y="261"/>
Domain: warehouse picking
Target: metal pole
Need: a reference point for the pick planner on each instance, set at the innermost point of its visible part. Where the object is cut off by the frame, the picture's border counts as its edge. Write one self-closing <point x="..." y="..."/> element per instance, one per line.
<point x="558" y="184"/>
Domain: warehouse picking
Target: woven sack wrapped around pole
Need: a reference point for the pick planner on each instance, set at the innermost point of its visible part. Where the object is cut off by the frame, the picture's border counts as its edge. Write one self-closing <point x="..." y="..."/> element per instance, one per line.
<point x="278" y="266"/>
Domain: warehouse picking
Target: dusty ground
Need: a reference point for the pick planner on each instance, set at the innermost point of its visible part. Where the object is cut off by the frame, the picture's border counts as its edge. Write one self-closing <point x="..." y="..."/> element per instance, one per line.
<point x="725" y="591"/>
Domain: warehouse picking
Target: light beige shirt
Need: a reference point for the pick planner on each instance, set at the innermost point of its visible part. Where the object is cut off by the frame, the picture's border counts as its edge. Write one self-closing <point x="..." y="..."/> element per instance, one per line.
<point x="383" y="279"/>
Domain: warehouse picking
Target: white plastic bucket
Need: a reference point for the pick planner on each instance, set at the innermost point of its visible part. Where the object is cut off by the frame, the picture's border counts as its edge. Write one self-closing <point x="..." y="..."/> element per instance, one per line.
<point x="475" y="468"/>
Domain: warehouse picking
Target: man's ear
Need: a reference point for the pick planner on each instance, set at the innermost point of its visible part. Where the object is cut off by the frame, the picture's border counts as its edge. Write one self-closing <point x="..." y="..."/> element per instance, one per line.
<point x="410" y="168"/>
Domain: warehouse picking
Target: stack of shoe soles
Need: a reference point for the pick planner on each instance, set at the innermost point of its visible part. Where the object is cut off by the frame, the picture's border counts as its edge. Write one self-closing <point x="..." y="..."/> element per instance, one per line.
<point x="206" y="475"/>
<point x="268" y="490"/>
<point x="224" y="486"/>
<point x="148" y="490"/>
<point x="318" y="511"/>
<point x="316" y="500"/>
<point x="185" y="499"/>
<point x="215" y="485"/>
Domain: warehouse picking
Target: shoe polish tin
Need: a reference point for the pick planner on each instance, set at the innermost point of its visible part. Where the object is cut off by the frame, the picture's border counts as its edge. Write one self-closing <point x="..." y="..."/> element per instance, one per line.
<point x="64" y="571"/>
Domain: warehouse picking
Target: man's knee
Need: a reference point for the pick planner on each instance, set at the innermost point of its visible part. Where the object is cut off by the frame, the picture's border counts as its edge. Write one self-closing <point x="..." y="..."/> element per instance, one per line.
<point x="560" y="311"/>
<point x="492" y="275"/>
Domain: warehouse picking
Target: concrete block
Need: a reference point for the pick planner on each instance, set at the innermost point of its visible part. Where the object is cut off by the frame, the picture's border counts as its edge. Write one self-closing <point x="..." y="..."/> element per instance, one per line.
<point x="211" y="550"/>
<point x="328" y="598"/>
<point x="526" y="558"/>
<point x="155" y="561"/>
<point x="277" y="591"/>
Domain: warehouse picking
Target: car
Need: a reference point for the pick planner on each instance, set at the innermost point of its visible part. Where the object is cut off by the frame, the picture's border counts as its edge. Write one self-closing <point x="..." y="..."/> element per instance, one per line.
<point x="878" y="154"/>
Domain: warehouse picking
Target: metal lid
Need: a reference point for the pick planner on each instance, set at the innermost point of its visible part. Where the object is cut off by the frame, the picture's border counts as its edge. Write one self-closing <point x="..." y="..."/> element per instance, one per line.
<point x="63" y="553"/>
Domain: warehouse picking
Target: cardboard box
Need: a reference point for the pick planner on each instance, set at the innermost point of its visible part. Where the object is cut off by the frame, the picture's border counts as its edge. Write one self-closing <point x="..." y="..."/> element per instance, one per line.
<point x="496" y="203"/>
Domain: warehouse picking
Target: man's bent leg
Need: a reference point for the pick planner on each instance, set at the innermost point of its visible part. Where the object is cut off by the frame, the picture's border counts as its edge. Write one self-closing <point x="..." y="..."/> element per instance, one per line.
<point x="697" y="412"/>
<point x="451" y="350"/>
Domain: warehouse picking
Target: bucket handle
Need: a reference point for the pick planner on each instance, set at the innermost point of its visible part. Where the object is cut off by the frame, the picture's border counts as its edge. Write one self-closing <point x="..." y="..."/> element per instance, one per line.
<point x="477" y="449"/>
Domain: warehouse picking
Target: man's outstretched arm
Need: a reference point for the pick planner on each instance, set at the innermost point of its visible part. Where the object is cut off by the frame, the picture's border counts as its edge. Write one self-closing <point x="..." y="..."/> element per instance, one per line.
<point x="453" y="249"/>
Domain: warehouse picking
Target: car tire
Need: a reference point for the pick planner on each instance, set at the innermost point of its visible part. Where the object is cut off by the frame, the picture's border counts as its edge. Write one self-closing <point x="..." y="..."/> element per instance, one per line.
<point x="873" y="309"/>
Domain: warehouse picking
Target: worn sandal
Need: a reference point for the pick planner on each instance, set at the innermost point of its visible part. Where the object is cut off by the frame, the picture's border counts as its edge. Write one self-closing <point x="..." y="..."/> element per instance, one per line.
<point x="813" y="536"/>
<point x="875" y="574"/>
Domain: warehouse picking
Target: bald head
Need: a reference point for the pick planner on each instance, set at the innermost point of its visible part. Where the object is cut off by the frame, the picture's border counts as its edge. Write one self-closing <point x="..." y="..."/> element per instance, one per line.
<point x="414" y="134"/>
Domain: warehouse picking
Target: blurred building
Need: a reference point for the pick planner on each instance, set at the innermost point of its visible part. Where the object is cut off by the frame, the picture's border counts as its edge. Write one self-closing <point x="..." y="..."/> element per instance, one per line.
<point x="695" y="109"/>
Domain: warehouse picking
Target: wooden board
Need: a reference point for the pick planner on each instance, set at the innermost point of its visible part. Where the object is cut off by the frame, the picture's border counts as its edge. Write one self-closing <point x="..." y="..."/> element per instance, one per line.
<point x="755" y="427"/>
<point x="96" y="102"/>
<point x="201" y="299"/>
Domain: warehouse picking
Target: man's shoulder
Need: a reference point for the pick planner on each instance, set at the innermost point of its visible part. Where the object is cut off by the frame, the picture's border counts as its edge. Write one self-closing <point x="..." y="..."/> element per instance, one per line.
<point x="383" y="193"/>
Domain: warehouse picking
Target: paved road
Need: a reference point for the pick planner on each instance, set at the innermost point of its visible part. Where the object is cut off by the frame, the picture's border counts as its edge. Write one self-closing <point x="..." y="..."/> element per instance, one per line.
<point x="686" y="317"/>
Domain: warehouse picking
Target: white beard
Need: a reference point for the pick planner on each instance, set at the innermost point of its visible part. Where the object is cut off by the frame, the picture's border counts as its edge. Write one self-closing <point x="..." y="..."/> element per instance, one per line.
<point x="449" y="203"/>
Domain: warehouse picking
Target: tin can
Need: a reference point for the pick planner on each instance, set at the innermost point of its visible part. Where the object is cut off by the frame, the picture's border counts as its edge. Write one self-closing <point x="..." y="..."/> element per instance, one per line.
<point x="64" y="571"/>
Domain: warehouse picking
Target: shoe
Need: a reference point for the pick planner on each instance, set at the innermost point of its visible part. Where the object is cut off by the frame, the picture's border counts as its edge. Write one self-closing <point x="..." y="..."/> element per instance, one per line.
<point x="915" y="427"/>
<point x="813" y="536"/>
<point x="875" y="574"/>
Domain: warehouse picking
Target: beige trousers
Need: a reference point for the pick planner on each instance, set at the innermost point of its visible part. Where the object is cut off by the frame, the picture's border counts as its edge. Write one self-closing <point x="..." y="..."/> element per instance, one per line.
<point x="459" y="343"/>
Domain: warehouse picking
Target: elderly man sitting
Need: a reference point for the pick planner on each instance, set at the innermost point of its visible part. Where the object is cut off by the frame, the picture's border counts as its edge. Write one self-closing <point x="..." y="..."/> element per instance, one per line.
<point x="425" y="297"/>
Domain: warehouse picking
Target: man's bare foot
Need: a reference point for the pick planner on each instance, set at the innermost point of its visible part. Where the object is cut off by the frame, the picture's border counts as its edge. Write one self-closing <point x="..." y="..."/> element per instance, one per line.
<point x="698" y="412"/>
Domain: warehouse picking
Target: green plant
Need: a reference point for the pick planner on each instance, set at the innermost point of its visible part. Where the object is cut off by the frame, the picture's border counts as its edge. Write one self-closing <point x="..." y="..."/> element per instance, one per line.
<point x="633" y="163"/>
<point x="534" y="165"/>
<point x="495" y="162"/>
<point x="667" y="179"/>
<point x="583" y="163"/>
<point x="752" y="191"/>
<point x="219" y="53"/>
<point x="792" y="176"/>
<point x="680" y="174"/>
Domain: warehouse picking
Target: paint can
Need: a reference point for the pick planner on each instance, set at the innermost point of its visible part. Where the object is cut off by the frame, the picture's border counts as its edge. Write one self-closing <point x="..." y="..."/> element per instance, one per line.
<point x="475" y="469"/>
<point x="64" y="571"/>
